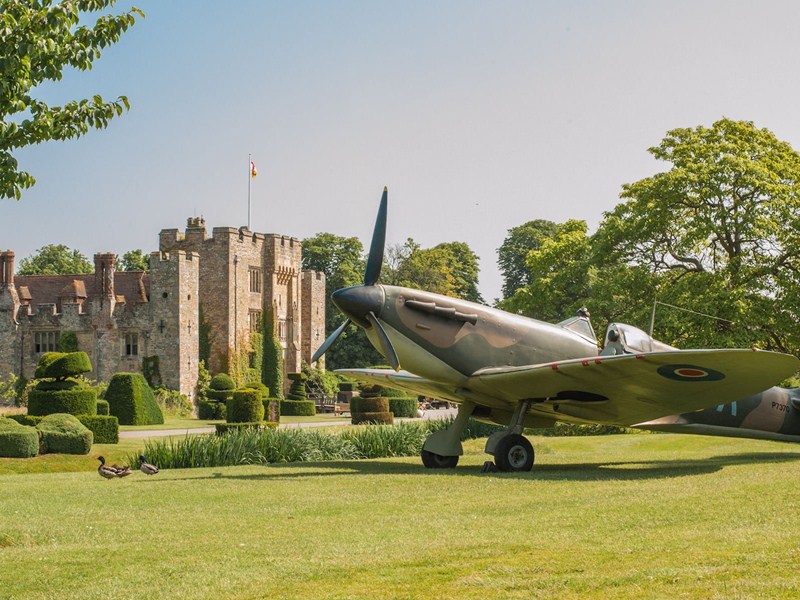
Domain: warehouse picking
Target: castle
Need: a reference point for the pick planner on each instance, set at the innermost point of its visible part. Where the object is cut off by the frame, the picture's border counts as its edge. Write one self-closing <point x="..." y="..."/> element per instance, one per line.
<point x="221" y="283"/>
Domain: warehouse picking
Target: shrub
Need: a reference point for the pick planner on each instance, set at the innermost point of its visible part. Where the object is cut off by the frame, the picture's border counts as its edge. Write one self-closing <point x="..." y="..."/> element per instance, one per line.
<point x="271" y="355"/>
<point x="28" y="420"/>
<point x="221" y="387"/>
<point x="403" y="407"/>
<point x="257" y="385"/>
<point x="46" y="385"/>
<point x="45" y="360"/>
<point x="102" y="407"/>
<point x="298" y="408"/>
<point x="377" y="418"/>
<point x="246" y="406"/>
<point x="68" y="342"/>
<point x="17" y="441"/>
<point x="75" y="401"/>
<point x="104" y="428"/>
<point x="297" y="390"/>
<point x="69" y="364"/>
<point x="151" y="370"/>
<point x="131" y="400"/>
<point x="211" y="410"/>
<point x="272" y="409"/>
<point x="172" y="402"/>
<point x="347" y="386"/>
<point x="394" y="393"/>
<point x="361" y="404"/>
<point x="64" y="434"/>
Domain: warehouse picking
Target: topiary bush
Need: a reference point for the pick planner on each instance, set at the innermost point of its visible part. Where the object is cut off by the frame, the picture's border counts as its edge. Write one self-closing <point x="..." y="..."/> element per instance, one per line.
<point x="28" y="420"/>
<point x="257" y="385"/>
<point x="17" y="441"/>
<point x="105" y="428"/>
<point x="375" y="418"/>
<point x="131" y="400"/>
<point x="45" y="360"/>
<point x="370" y="407"/>
<point x="246" y="406"/>
<point x="298" y="408"/>
<point x="347" y="386"/>
<point x="69" y="364"/>
<point x="64" y="434"/>
<point x="403" y="407"/>
<point x="272" y="409"/>
<point x="76" y="401"/>
<point x="362" y="404"/>
<point x="297" y="390"/>
<point x="102" y="407"/>
<point x="211" y="410"/>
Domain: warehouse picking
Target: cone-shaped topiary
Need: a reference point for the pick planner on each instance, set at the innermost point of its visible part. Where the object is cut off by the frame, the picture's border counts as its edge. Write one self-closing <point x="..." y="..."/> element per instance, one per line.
<point x="131" y="400"/>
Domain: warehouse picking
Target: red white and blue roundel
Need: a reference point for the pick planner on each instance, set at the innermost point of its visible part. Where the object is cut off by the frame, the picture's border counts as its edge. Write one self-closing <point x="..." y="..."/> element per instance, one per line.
<point x="689" y="373"/>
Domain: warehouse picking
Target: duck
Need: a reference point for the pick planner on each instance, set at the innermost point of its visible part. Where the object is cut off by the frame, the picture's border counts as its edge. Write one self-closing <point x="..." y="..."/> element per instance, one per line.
<point x="112" y="471"/>
<point x="145" y="467"/>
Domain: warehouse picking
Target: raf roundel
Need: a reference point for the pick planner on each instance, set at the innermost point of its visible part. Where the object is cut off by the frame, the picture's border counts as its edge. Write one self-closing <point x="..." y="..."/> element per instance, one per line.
<point x="689" y="373"/>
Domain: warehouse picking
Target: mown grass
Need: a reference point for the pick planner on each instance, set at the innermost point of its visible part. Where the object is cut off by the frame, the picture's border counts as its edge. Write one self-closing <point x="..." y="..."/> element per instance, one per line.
<point x="645" y="516"/>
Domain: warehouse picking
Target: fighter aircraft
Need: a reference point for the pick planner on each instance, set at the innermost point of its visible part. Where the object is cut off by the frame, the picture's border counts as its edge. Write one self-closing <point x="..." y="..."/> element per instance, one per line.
<point x="520" y="372"/>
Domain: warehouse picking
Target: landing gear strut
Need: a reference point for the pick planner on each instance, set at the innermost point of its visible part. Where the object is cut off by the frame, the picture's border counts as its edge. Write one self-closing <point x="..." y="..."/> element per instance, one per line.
<point x="512" y="451"/>
<point x="442" y="448"/>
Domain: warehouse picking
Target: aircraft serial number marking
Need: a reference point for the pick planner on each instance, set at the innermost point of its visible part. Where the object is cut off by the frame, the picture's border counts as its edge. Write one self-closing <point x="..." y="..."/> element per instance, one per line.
<point x="780" y="407"/>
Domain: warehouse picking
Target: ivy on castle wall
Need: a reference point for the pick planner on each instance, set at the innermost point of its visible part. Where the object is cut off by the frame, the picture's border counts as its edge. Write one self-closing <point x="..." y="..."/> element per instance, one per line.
<point x="68" y="342"/>
<point x="272" y="356"/>
<point x="203" y="335"/>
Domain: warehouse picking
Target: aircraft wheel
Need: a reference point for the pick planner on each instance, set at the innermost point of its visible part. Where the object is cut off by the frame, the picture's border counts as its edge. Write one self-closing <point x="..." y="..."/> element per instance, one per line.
<point x="514" y="453"/>
<point x="437" y="461"/>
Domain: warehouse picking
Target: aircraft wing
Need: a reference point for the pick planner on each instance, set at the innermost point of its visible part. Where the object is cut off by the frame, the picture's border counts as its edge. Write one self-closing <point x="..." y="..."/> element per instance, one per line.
<point x="632" y="388"/>
<point x="403" y="380"/>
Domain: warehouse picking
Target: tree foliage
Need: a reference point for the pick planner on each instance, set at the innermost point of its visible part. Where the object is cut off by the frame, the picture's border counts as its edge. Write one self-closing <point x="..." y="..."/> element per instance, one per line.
<point x="135" y="260"/>
<point x="512" y="255"/>
<point x="55" y="260"/>
<point x="716" y="233"/>
<point x="38" y="40"/>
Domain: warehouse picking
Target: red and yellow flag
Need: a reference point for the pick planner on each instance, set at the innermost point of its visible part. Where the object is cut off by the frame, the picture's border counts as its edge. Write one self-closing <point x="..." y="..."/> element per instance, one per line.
<point x="253" y="170"/>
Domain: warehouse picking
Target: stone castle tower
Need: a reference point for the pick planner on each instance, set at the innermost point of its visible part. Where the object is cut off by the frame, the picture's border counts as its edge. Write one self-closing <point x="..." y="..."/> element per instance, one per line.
<point x="117" y="318"/>
<point x="243" y="275"/>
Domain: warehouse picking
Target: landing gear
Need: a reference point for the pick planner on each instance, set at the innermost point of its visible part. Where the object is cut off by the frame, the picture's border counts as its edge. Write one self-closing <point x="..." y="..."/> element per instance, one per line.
<point x="442" y="448"/>
<point x="437" y="461"/>
<point x="512" y="451"/>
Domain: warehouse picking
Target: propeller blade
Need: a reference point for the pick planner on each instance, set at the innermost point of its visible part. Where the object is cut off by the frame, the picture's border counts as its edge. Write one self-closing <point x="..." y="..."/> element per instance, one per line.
<point x="327" y="343"/>
<point x="375" y="259"/>
<point x="386" y="344"/>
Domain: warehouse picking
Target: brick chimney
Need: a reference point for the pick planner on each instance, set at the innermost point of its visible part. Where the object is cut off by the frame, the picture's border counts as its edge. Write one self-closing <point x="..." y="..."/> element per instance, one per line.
<point x="6" y="269"/>
<point x="104" y="275"/>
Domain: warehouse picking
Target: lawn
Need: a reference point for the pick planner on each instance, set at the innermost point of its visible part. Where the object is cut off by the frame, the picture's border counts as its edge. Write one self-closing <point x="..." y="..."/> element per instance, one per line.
<point x="645" y="516"/>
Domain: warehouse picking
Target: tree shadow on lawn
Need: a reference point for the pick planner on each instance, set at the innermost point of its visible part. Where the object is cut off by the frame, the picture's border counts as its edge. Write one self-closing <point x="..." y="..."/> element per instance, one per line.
<point x="594" y="471"/>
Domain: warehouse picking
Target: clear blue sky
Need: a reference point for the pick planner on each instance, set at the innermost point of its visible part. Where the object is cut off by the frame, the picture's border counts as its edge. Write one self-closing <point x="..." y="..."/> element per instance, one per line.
<point x="479" y="116"/>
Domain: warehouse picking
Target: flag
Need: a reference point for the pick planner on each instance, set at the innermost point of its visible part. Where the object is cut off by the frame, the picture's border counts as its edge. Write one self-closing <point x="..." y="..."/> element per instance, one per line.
<point x="253" y="170"/>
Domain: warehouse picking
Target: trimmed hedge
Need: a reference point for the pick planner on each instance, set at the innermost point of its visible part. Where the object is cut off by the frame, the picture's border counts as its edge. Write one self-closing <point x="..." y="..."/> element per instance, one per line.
<point x="226" y="427"/>
<point x="370" y="405"/>
<point x="47" y="385"/>
<point x="246" y="406"/>
<point x="45" y="360"/>
<point x="221" y="382"/>
<point x="211" y="410"/>
<point x="298" y="408"/>
<point x="64" y="434"/>
<point x="403" y="407"/>
<point x="131" y="400"/>
<point x="385" y="418"/>
<point x="17" y="441"/>
<point x="70" y="364"/>
<point x="394" y="393"/>
<point x="102" y="407"/>
<point x="257" y="385"/>
<point x="347" y="386"/>
<point x="297" y="390"/>
<point x="104" y="428"/>
<point x="76" y="401"/>
<point x="28" y="420"/>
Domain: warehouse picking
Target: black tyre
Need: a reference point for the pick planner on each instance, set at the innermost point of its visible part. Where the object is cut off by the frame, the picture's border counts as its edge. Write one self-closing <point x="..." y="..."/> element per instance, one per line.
<point x="437" y="461"/>
<point x="514" y="453"/>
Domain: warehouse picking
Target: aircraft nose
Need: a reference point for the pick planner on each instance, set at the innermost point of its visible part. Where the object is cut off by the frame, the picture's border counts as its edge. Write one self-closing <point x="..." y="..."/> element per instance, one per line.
<point x="359" y="300"/>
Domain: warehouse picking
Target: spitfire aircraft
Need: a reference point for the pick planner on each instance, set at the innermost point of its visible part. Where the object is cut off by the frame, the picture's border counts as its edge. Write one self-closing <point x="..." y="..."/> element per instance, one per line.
<point x="519" y="372"/>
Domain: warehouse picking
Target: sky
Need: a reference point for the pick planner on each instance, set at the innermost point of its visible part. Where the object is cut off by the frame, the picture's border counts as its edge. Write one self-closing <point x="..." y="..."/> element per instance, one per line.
<point x="478" y="116"/>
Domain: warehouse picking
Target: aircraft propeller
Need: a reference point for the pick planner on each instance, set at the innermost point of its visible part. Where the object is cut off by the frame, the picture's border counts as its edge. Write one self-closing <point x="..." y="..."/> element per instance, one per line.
<point x="361" y="302"/>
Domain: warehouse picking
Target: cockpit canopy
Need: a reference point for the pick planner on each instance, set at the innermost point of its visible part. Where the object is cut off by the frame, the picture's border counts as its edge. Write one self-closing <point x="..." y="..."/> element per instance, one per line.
<point x="581" y="326"/>
<point x="627" y="339"/>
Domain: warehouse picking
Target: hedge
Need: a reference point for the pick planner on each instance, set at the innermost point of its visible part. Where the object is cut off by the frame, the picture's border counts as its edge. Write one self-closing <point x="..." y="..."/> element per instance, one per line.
<point x="64" y="434"/>
<point x="298" y="408"/>
<point x="257" y="385"/>
<point x="28" y="420"/>
<point x="105" y="428"/>
<point x="47" y="385"/>
<point x="246" y="406"/>
<point x="403" y="407"/>
<point x="277" y="402"/>
<point x="385" y="418"/>
<point x="70" y="364"/>
<point x="297" y="390"/>
<point x="347" y="386"/>
<point x="77" y="401"/>
<point x="226" y="427"/>
<point x="102" y="407"/>
<point x="45" y="360"/>
<point x="131" y="400"/>
<point x="17" y="441"/>
<point x="211" y="410"/>
<point x="370" y="405"/>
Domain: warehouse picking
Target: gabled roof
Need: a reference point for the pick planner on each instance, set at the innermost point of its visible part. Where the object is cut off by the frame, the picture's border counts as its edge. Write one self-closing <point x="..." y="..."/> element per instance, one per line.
<point x="131" y="286"/>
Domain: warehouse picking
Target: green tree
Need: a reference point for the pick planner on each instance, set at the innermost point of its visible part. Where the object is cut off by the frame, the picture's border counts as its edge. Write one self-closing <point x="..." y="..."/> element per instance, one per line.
<point x="135" y="260"/>
<point x="512" y="254"/>
<point x="55" y="260"/>
<point x="38" y="40"/>
<point x="464" y="268"/>
<point x="718" y="232"/>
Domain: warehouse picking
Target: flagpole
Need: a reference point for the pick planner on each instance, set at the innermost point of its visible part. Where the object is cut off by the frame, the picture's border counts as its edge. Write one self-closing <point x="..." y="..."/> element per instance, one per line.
<point x="249" y="177"/>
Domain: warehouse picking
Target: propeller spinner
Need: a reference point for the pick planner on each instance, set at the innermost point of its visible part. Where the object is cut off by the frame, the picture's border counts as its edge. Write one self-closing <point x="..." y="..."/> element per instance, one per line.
<point x="360" y="303"/>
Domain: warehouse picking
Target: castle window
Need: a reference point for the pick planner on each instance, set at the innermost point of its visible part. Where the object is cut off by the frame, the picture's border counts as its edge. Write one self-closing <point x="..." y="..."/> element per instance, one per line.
<point x="131" y="344"/>
<point x="255" y="321"/>
<point x="45" y="341"/>
<point x="255" y="280"/>
<point x="281" y="329"/>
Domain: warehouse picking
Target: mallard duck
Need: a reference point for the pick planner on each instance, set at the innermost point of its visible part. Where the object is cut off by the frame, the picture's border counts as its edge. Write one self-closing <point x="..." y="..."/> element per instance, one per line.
<point x="111" y="471"/>
<point x="146" y="467"/>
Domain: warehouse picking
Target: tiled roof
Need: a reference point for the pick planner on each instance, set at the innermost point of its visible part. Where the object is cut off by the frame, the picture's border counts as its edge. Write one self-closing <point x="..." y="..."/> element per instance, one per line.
<point x="132" y="286"/>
